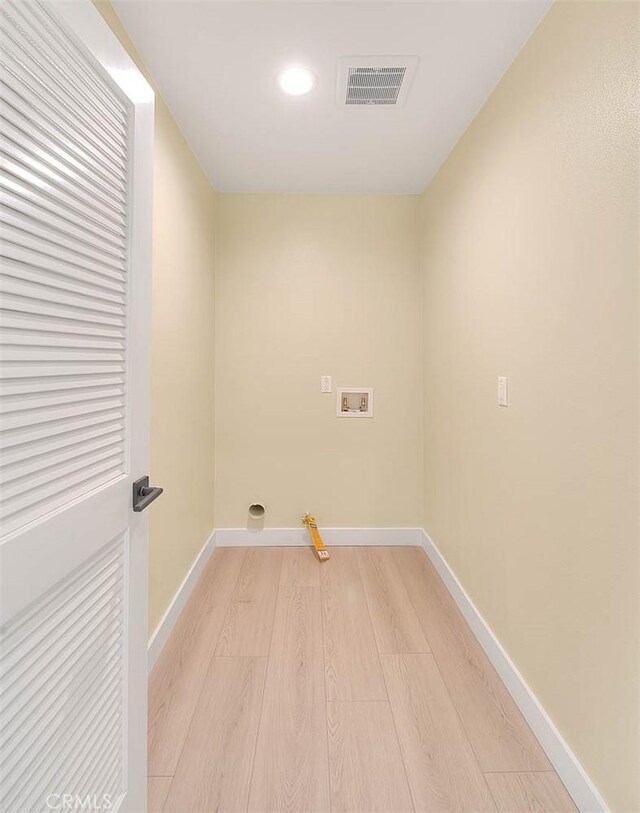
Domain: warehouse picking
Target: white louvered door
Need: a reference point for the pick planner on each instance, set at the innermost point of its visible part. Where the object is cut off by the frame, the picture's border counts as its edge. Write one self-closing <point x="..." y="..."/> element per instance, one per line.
<point x="76" y="143"/>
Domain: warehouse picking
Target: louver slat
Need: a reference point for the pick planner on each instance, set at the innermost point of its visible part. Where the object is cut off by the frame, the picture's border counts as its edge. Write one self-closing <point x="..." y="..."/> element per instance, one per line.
<point x="66" y="649"/>
<point x="63" y="274"/>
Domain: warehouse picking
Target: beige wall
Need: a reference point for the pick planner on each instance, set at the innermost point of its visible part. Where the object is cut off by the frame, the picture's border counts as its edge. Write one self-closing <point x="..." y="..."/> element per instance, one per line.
<point x="530" y="270"/>
<point x="526" y="250"/>
<point x="306" y="286"/>
<point x="182" y="419"/>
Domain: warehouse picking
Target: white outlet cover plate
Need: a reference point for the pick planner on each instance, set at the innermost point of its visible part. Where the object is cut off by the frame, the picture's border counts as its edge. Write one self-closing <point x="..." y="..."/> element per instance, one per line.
<point x="325" y="383"/>
<point x="503" y="399"/>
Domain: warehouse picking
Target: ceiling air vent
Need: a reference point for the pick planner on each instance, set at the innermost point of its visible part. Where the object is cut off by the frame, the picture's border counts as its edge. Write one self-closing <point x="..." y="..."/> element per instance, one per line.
<point x="374" y="80"/>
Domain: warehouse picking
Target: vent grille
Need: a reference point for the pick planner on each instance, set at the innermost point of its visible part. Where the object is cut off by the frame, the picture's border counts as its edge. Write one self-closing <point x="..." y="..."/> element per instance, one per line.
<point x="374" y="85"/>
<point x="374" y="81"/>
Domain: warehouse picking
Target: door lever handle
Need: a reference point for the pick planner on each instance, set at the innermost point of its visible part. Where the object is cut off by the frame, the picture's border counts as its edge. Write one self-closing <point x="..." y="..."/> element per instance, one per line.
<point x="144" y="494"/>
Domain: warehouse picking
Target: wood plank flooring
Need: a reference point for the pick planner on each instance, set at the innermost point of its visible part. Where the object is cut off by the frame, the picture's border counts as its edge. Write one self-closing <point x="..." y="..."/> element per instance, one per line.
<point x="290" y="764"/>
<point x="529" y="792"/>
<point x="351" y="659"/>
<point x="215" y="765"/>
<point x="177" y="680"/>
<point x="353" y="685"/>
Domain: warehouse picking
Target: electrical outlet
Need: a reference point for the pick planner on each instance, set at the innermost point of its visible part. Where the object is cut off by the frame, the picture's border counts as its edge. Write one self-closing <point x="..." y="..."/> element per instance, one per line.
<point x="325" y="383"/>
<point x="502" y="391"/>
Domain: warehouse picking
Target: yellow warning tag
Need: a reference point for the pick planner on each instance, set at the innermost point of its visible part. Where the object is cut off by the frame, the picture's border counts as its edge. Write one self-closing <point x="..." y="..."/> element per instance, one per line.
<point x="322" y="553"/>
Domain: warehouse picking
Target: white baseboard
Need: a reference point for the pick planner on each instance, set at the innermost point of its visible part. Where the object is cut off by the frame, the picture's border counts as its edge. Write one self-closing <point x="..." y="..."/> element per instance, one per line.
<point x="291" y="537"/>
<point x="168" y="620"/>
<point x="568" y="768"/>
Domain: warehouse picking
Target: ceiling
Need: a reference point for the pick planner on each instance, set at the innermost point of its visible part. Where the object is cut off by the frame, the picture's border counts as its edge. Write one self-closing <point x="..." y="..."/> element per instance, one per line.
<point x="215" y="64"/>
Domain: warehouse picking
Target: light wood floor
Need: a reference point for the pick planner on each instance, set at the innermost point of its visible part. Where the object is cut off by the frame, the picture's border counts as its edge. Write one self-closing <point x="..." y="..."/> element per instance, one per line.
<point x="351" y="685"/>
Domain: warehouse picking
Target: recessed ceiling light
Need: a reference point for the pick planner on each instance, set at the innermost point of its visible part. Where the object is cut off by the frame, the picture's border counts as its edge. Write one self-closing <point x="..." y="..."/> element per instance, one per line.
<point x="296" y="81"/>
